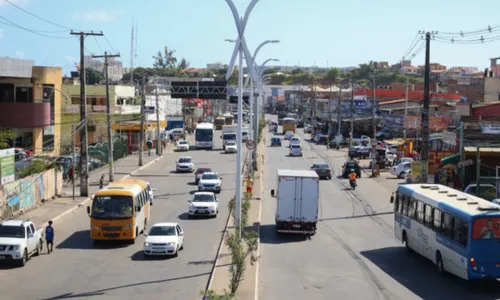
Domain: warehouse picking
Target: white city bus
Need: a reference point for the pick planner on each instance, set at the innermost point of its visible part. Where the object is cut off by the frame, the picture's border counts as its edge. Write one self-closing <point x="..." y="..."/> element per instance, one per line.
<point x="204" y="136"/>
<point x="459" y="232"/>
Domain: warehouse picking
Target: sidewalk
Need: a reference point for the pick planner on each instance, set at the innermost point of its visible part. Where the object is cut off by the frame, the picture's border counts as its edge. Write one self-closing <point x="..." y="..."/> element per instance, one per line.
<point x="65" y="204"/>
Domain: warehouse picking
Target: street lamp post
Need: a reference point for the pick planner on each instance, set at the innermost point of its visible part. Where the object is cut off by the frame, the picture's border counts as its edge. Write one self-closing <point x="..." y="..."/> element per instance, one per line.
<point x="240" y="48"/>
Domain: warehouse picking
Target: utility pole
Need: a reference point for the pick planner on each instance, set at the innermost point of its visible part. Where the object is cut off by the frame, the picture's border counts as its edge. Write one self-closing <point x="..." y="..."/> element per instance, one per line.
<point x="255" y="130"/>
<point x="141" y="135"/>
<point x="158" y="144"/>
<point x="339" y="113"/>
<point x="351" y="134"/>
<point x="374" y="127"/>
<point x="132" y="54"/>
<point x="73" y="161"/>
<point x="108" y="115"/>
<point x="84" y="158"/>
<point x="330" y="127"/>
<point x="250" y="126"/>
<point x="406" y="108"/>
<point x="425" y="112"/>
<point x="478" y="172"/>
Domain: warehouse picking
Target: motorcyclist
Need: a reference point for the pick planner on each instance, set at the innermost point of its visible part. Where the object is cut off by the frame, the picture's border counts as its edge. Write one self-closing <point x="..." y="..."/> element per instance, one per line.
<point x="352" y="178"/>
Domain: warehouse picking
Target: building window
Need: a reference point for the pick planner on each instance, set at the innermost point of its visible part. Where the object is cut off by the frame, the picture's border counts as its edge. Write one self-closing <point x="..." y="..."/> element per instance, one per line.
<point x="24" y="94"/>
<point x="75" y="100"/>
<point x="6" y="92"/>
<point x="48" y="139"/>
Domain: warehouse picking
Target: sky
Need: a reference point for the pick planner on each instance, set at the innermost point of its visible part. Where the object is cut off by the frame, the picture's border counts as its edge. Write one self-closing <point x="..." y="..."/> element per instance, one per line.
<point x="324" y="33"/>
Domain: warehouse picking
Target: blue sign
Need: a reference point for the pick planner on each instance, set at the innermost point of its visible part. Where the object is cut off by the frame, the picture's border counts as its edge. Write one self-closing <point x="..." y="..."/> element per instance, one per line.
<point x="391" y="120"/>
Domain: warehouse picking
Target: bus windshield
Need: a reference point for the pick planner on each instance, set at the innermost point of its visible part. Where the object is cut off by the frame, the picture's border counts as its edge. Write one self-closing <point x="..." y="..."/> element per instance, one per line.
<point x="204" y="135"/>
<point x="288" y="122"/>
<point x="229" y="136"/>
<point x="219" y="121"/>
<point x="112" y="207"/>
<point x="486" y="228"/>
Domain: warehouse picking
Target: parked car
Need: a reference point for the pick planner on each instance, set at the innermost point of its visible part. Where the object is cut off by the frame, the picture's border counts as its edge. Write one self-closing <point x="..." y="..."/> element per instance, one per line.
<point x="289" y="135"/>
<point x="384" y="134"/>
<point x="199" y="172"/>
<point x="308" y="129"/>
<point x="182" y="145"/>
<point x="322" y="140"/>
<point x="19" y="240"/>
<point x="351" y="165"/>
<point x="323" y="170"/>
<point x="486" y="191"/>
<point x="210" y="181"/>
<point x="295" y="150"/>
<point x="400" y="169"/>
<point x="203" y="204"/>
<point x="275" y="142"/>
<point x="164" y="239"/>
<point x="185" y="164"/>
<point x="231" y="147"/>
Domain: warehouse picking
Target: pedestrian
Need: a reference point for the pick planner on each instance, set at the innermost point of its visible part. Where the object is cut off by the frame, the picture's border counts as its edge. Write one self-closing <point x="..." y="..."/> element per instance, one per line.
<point x="70" y="175"/>
<point x="409" y="178"/>
<point x="49" y="237"/>
<point x="149" y="143"/>
<point x="101" y="182"/>
<point x="164" y="143"/>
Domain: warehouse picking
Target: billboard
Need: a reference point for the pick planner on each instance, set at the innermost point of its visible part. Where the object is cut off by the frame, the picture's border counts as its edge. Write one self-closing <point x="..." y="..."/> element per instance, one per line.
<point x="436" y="124"/>
<point x="7" y="165"/>
<point x="393" y="121"/>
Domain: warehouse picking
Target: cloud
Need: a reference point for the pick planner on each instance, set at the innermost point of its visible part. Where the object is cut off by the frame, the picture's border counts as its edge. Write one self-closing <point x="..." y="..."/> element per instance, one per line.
<point x="20" y="54"/>
<point x="97" y="16"/>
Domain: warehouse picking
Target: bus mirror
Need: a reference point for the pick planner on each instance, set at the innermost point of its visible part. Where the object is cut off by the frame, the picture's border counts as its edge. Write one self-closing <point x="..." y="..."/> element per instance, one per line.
<point x="138" y="208"/>
<point x="88" y="210"/>
<point x="272" y="193"/>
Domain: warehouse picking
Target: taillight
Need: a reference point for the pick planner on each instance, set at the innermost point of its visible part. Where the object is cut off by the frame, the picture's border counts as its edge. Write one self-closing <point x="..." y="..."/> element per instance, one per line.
<point x="473" y="261"/>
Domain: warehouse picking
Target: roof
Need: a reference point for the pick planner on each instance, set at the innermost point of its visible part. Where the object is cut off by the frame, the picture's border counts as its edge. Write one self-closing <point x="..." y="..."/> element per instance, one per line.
<point x="165" y="224"/>
<point x="120" y="189"/>
<point x="297" y="173"/>
<point x="203" y="193"/>
<point x="13" y="222"/>
<point x="209" y="173"/>
<point x="445" y="197"/>
<point x="204" y="126"/>
<point x="482" y="149"/>
<point x="185" y="157"/>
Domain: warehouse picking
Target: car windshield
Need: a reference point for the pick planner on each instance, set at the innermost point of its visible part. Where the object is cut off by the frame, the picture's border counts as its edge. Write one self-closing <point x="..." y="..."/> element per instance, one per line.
<point x="203" y="170"/>
<point x="162" y="231"/>
<point x="275" y="139"/>
<point x="112" y="207"/>
<point x="231" y="143"/>
<point x="351" y="165"/>
<point x="183" y="142"/>
<point x="209" y="176"/>
<point x="322" y="166"/>
<point x="203" y="198"/>
<point x="295" y="147"/>
<point x="12" y="231"/>
<point x="184" y="160"/>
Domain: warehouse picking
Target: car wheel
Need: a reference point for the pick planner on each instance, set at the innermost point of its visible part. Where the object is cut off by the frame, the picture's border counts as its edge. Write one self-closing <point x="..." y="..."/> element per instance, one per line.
<point x="182" y="246"/>
<point x="401" y="175"/>
<point x="176" y="253"/>
<point x="24" y="260"/>
<point x="39" y="248"/>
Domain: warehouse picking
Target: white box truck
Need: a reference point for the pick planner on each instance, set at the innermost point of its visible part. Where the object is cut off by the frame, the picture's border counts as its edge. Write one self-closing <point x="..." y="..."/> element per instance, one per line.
<point x="297" y="199"/>
<point x="228" y="134"/>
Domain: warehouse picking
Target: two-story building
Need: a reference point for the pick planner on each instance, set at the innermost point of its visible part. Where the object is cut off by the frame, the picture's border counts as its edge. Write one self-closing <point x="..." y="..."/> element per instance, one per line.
<point x="30" y="104"/>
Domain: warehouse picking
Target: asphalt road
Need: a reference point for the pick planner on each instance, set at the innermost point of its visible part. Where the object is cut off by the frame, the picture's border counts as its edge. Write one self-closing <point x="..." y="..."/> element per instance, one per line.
<point x="79" y="270"/>
<point x="354" y="255"/>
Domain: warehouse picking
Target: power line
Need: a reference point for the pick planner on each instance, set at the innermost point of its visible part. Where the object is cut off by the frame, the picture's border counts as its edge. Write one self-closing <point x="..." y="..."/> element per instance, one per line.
<point x="412" y="45"/>
<point x="109" y="44"/>
<point x="480" y="40"/>
<point x="36" y="16"/>
<point x="37" y="32"/>
<point x="486" y="30"/>
<point x="98" y="45"/>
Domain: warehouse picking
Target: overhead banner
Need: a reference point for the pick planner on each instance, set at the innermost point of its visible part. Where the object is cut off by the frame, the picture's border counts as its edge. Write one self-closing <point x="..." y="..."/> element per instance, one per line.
<point x="436" y="124"/>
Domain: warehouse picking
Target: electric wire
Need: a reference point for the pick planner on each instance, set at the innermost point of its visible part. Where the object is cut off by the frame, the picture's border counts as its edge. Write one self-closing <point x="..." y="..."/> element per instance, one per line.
<point x="12" y="24"/>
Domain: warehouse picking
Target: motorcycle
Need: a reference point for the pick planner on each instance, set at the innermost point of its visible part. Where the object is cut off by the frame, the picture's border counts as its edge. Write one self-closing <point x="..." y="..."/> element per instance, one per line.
<point x="353" y="184"/>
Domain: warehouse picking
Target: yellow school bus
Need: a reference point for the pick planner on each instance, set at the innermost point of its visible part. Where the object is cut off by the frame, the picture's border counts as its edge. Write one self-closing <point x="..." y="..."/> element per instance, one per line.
<point x="219" y="122"/>
<point x="120" y="211"/>
<point x="289" y="124"/>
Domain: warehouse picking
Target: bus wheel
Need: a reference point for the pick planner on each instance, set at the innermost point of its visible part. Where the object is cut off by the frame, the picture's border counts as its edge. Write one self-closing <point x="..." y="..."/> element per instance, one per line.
<point x="439" y="264"/>
<point x="407" y="244"/>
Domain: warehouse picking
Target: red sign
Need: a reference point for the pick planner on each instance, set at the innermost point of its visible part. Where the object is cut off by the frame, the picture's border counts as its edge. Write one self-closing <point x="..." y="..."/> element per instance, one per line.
<point x="435" y="159"/>
<point x="436" y="124"/>
<point x="486" y="228"/>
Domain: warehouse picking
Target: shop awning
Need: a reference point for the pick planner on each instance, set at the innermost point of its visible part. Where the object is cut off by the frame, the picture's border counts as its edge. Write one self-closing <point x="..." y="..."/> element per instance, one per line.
<point x="451" y="160"/>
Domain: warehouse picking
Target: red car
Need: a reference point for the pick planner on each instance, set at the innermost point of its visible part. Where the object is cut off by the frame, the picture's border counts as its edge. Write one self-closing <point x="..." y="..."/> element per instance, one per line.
<point x="199" y="172"/>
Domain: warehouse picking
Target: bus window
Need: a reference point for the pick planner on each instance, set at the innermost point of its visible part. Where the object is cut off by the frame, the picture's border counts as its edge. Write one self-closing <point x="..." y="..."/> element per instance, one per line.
<point x="413" y="208"/>
<point x="448" y="226"/>
<point x="438" y="223"/>
<point x="429" y="213"/>
<point x="461" y="232"/>
<point x="396" y="203"/>
<point x="406" y="203"/>
<point x="420" y="212"/>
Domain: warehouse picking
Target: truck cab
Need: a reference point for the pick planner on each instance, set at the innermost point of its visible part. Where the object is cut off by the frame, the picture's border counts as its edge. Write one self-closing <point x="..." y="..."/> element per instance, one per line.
<point x="19" y="240"/>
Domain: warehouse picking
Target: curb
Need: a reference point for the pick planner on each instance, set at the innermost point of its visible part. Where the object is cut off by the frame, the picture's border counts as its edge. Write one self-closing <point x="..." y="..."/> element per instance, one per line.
<point x="219" y="248"/>
<point x="257" y="263"/>
<point x="82" y="203"/>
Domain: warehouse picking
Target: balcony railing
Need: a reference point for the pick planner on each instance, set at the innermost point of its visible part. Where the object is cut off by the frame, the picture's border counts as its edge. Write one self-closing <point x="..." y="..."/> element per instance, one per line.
<point x="24" y="115"/>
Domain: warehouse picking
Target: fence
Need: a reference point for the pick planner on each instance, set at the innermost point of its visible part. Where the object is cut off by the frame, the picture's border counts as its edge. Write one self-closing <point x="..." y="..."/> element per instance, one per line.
<point x="25" y="194"/>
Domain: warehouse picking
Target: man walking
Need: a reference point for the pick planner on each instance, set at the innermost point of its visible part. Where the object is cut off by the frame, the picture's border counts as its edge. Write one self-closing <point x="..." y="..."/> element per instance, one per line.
<point x="49" y="237"/>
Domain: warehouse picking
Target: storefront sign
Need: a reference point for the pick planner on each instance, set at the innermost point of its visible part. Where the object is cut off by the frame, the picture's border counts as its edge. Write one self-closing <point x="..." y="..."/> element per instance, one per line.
<point x="7" y="165"/>
<point x="436" y="124"/>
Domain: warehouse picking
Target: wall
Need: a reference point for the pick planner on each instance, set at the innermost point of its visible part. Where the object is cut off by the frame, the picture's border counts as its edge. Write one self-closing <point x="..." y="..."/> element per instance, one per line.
<point x="99" y="91"/>
<point x="491" y="89"/>
<point x="25" y="194"/>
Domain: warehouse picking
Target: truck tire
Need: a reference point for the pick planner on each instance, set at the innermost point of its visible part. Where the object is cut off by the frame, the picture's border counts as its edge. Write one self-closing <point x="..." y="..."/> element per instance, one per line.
<point x="39" y="248"/>
<point x="24" y="260"/>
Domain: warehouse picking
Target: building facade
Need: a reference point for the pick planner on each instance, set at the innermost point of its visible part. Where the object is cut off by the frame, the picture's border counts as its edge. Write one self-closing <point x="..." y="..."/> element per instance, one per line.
<point x="30" y="105"/>
<point x="122" y="97"/>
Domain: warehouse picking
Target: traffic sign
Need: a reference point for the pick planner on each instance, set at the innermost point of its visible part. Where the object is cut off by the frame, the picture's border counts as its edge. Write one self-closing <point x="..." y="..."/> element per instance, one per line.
<point x="465" y="163"/>
<point x="149" y="109"/>
<point x="250" y="144"/>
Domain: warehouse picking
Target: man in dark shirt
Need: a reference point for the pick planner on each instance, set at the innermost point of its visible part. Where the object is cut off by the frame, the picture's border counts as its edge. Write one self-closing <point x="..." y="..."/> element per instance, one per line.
<point x="49" y="237"/>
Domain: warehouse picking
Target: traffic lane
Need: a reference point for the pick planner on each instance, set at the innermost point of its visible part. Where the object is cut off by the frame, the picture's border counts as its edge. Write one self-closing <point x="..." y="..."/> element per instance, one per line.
<point x="319" y="268"/>
<point x="108" y="270"/>
<point x="370" y="203"/>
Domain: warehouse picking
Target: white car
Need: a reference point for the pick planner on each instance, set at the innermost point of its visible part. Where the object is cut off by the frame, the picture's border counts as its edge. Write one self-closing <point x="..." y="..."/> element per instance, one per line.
<point x="295" y="150"/>
<point x="185" y="164"/>
<point x="231" y="147"/>
<point x="244" y="136"/>
<point x="210" y="181"/>
<point x="400" y="169"/>
<point x="164" y="239"/>
<point x="19" y="240"/>
<point x="289" y="135"/>
<point x="203" y="204"/>
<point x="308" y="129"/>
<point x="294" y="141"/>
<point x="182" y="145"/>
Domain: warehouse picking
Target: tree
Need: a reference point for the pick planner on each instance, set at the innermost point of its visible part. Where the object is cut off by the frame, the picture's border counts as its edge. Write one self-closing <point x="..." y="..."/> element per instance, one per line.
<point x="332" y="76"/>
<point x="183" y="64"/>
<point x="139" y="73"/>
<point x="93" y="76"/>
<point x="165" y="59"/>
<point x="6" y="136"/>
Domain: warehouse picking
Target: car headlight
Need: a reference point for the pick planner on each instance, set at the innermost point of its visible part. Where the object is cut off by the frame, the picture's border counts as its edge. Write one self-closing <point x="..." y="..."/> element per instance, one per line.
<point x="147" y="244"/>
<point x="16" y="247"/>
<point x="130" y="226"/>
<point x="94" y="227"/>
<point x="171" y="244"/>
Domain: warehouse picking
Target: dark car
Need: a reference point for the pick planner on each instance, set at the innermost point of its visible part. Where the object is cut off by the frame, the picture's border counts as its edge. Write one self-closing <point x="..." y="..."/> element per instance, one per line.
<point x="360" y="151"/>
<point x="351" y="165"/>
<point x="275" y="142"/>
<point x="300" y="124"/>
<point x="199" y="172"/>
<point x="323" y="171"/>
<point x="322" y="140"/>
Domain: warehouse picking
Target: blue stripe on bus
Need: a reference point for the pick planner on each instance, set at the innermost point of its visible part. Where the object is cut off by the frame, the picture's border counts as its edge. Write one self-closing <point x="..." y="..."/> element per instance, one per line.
<point x="456" y="247"/>
<point x="402" y="220"/>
